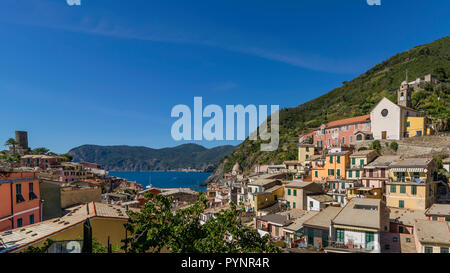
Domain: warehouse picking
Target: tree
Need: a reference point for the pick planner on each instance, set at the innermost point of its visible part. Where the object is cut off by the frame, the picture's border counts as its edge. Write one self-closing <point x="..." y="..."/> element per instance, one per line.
<point x="40" y="151"/>
<point x="394" y="146"/>
<point x="159" y="227"/>
<point x="43" y="249"/>
<point x="376" y="145"/>
<point x="67" y="157"/>
<point x="11" y="142"/>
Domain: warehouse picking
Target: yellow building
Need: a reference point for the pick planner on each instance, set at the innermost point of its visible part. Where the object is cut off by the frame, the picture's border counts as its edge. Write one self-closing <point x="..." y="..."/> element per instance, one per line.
<point x="264" y="199"/>
<point x="364" y="192"/>
<point x="357" y="162"/>
<point x="432" y="236"/>
<point x="305" y="151"/>
<point x="107" y="221"/>
<point x="417" y="126"/>
<point x="334" y="168"/>
<point x="412" y="184"/>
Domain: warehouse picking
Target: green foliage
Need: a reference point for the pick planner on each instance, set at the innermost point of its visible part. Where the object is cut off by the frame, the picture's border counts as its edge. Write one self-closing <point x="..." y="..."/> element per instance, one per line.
<point x="40" y="151"/>
<point x="394" y="146"/>
<point x="97" y="247"/>
<point x="358" y="97"/>
<point x="159" y="227"/>
<point x="11" y="142"/>
<point x="43" y="249"/>
<point x="375" y="145"/>
<point x="67" y="157"/>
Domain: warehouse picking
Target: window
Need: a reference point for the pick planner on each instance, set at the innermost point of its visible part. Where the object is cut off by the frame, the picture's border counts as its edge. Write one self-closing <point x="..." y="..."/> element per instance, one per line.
<point x="289" y="191"/>
<point x="408" y="124"/>
<point x="311" y="204"/>
<point x="338" y="172"/>
<point x="369" y="239"/>
<point x="295" y="194"/>
<point x="444" y="249"/>
<point x="340" y="235"/>
<point x="343" y="140"/>
<point x="428" y="249"/>
<point x="350" y="174"/>
<point x="19" y="222"/>
<point x="338" y="159"/>
<point x="357" y="173"/>
<point x="401" y="229"/>
<point x="361" y="163"/>
<point x="31" y="194"/>
<point x="351" y="139"/>
<point x="402" y="189"/>
<point x="316" y="174"/>
<point x="293" y="205"/>
<point x="413" y="189"/>
<point x="31" y="219"/>
<point x="393" y="188"/>
<point x="447" y="219"/>
<point x="351" y="191"/>
<point x="434" y="218"/>
<point x="353" y="161"/>
<point x="331" y="159"/>
<point x="384" y="113"/>
<point x="307" y="149"/>
<point x="277" y="231"/>
<point x="401" y="204"/>
<point x="343" y="186"/>
<point x="19" y="197"/>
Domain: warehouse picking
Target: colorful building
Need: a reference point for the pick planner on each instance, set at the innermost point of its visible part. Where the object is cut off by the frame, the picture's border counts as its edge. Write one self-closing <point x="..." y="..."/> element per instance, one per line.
<point x="305" y="152"/>
<point x="438" y="212"/>
<point x="295" y="193"/>
<point x="412" y="184"/>
<point x="342" y="132"/>
<point x="107" y="222"/>
<point x="417" y="126"/>
<point x="40" y="161"/>
<point x="376" y="173"/>
<point x="357" y="162"/>
<point x="20" y="200"/>
<point x="358" y="226"/>
<point x="335" y="166"/>
<point x="317" y="228"/>
<point x="432" y="236"/>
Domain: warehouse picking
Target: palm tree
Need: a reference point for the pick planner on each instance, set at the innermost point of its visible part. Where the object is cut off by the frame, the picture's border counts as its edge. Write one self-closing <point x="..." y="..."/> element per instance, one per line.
<point x="12" y="142"/>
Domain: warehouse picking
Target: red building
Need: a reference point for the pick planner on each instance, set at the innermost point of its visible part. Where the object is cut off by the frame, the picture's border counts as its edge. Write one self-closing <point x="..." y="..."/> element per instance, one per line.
<point x="20" y="202"/>
<point x="343" y="132"/>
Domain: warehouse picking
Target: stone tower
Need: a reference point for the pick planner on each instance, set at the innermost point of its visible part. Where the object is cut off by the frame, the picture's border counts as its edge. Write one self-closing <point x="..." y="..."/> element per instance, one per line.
<point x="404" y="93"/>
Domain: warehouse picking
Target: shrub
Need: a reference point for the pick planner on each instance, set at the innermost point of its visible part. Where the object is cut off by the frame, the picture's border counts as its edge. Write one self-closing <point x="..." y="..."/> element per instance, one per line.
<point x="394" y="146"/>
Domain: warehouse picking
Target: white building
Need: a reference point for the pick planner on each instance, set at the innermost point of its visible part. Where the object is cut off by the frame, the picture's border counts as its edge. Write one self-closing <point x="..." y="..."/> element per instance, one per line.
<point x="389" y="119"/>
<point x="318" y="202"/>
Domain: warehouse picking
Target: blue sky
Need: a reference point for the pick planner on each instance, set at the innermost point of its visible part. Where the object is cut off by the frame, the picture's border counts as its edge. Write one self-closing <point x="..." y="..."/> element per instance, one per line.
<point x="109" y="72"/>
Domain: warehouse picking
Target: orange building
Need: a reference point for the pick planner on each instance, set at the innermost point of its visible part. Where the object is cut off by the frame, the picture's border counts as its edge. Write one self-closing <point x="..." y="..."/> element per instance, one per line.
<point x="334" y="168"/>
<point x="20" y="202"/>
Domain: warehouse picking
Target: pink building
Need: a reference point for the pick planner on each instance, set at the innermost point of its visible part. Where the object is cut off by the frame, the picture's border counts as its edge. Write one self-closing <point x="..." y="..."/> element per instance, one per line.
<point x="343" y="132"/>
<point x="376" y="173"/>
<point x="42" y="161"/>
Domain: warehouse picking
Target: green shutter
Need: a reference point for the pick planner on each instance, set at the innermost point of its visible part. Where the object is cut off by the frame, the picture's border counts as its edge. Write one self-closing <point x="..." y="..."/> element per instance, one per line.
<point x="350" y="173"/>
<point x="331" y="159"/>
<point x="338" y="159"/>
<point x="316" y="173"/>
<point x="353" y="161"/>
<point x="401" y="204"/>
<point x="413" y="189"/>
<point x="295" y="192"/>
<point x="357" y="174"/>
<point x="338" y="172"/>
<point x="289" y="191"/>
<point x="402" y="189"/>
<point x="393" y="188"/>
<point x="293" y="205"/>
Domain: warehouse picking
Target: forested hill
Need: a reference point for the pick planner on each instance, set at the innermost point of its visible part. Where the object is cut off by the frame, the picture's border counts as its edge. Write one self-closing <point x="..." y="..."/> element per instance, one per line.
<point x="357" y="97"/>
<point x="134" y="158"/>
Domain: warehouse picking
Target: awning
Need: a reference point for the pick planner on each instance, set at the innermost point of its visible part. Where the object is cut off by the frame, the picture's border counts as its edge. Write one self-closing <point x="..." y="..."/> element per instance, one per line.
<point x="416" y="170"/>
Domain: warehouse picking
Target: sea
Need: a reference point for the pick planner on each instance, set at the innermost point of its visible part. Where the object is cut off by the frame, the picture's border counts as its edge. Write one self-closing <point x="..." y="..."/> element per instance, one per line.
<point x="191" y="180"/>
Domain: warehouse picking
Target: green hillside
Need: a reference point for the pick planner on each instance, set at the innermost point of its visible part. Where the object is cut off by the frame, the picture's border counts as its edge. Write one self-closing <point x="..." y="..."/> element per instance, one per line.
<point x="357" y="97"/>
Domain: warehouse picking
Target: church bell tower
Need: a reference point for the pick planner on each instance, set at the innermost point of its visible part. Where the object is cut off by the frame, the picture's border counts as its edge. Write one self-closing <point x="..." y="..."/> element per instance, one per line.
<point x="404" y="93"/>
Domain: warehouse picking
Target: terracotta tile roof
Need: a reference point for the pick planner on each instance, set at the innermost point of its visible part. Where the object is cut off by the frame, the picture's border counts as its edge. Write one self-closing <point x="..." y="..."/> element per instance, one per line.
<point x="348" y="121"/>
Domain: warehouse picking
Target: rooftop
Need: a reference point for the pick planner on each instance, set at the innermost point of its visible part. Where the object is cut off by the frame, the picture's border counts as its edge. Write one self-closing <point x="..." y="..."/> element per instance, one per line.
<point x="405" y="216"/>
<point x="383" y="161"/>
<point x="18" y="238"/>
<point x="433" y="232"/>
<point x="298" y="184"/>
<point x="360" y="212"/>
<point x="299" y="221"/>
<point x="412" y="162"/>
<point x="323" y="218"/>
<point x="322" y="198"/>
<point x="439" y="210"/>
<point x="348" y="121"/>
